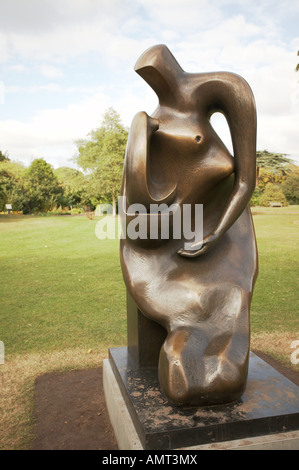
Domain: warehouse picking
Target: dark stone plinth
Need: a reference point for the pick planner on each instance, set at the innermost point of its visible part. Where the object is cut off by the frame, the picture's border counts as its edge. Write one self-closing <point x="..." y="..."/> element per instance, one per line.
<point x="269" y="405"/>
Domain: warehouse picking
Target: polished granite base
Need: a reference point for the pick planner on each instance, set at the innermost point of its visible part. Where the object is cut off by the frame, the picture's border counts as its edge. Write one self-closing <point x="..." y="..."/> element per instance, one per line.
<point x="269" y="405"/>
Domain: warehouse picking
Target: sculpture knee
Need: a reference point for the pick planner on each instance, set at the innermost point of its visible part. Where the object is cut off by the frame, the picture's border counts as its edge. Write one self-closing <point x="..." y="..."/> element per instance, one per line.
<point x="197" y="367"/>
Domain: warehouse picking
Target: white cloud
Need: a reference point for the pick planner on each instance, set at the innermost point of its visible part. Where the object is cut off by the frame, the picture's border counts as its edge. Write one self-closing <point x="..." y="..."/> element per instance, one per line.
<point x="50" y="71"/>
<point x="3" y="48"/>
<point x="49" y="87"/>
<point x="186" y="16"/>
<point x="2" y="92"/>
<point x="52" y="132"/>
<point x="19" y="68"/>
<point x="279" y="134"/>
<point x="61" y="29"/>
<point x="204" y="35"/>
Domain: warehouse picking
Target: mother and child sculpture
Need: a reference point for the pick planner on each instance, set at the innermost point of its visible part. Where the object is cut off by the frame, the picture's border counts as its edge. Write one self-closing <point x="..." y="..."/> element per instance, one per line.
<point x="199" y="293"/>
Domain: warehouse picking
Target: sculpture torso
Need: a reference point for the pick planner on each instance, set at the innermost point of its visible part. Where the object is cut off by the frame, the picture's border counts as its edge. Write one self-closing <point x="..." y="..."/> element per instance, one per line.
<point x="186" y="149"/>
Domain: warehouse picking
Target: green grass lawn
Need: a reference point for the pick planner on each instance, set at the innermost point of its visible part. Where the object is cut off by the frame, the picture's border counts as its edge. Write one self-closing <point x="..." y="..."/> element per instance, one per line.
<point x="63" y="302"/>
<point x="61" y="287"/>
<point x="275" y="301"/>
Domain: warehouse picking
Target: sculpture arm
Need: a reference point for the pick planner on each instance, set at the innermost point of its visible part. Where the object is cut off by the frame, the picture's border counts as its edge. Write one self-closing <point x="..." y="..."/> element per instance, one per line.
<point x="138" y="181"/>
<point x="231" y="95"/>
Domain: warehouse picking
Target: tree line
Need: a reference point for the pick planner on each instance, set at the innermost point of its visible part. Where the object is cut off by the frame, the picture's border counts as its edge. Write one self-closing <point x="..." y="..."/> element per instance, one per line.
<point x="40" y="188"/>
<point x="277" y="180"/>
<point x="100" y="157"/>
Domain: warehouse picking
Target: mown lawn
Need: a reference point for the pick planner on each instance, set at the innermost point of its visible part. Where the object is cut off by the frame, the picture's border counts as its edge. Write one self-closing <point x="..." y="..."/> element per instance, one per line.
<point x="63" y="302"/>
<point x="275" y="301"/>
<point x="275" y="308"/>
<point x="61" y="287"/>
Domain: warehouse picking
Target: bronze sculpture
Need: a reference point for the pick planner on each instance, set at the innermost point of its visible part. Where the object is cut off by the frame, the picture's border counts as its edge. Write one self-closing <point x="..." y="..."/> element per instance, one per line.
<point x="199" y="296"/>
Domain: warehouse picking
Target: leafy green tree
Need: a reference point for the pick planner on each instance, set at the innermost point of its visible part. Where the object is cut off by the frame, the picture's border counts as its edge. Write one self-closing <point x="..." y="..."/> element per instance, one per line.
<point x="255" y="198"/>
<point x="102" y="155"/>
<point x="75" y="187"/>
<point x="42" y="186"/>
<point x="12" y="185"/>
<point x="273" y="193"/>
<point x="4" y="157"/>
<point x="4" y="182"/>
<point x="290" y="188"/>
<point x="276" y="162"/>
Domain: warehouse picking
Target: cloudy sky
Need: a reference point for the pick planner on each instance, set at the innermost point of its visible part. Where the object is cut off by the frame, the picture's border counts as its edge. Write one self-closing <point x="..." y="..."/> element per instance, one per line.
<point x="64" y="62"/>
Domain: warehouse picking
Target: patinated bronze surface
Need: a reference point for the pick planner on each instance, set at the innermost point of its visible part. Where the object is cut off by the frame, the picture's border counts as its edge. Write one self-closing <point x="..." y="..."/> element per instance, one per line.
<point x="201" y="296"/>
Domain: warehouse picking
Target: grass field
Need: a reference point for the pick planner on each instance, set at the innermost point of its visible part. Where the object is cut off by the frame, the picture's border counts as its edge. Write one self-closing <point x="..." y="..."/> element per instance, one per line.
<point x="63" y="301"/>
<point x="275" y="308"/>
<point x="62" y="287"/>
<point x="275" y="300"/>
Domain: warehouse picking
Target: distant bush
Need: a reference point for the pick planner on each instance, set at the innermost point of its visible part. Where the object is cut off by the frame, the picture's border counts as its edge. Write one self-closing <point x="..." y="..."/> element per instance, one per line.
<point x="255" y="198"/>
<point x="59" y="211"/>
<point x="44" y="214"/>
<point x="273" y="194"/>
<point x="77" y="210"/>
<point x="55" y="211"/>
<point x="290" y="188"/>
<point x="12" y="212"/>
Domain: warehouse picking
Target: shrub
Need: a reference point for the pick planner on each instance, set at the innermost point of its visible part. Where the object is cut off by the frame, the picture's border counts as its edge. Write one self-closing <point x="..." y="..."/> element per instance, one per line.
<point x="290" y="188"/>
<point x="273" y="194"/>
<point x="77" y="210"/>
<point x="255" y="198"/>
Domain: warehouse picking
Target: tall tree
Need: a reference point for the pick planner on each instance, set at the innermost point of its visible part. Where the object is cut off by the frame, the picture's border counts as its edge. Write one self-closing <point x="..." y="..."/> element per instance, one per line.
<point x="276" y="162"/>
<point x="102" y="154"/>
<point x="42" y="186"/>
<point x="75" y="186"/>
<point x="12" y="180"/>
<point x="4" y="157"/>
<point x="290" y="188"/>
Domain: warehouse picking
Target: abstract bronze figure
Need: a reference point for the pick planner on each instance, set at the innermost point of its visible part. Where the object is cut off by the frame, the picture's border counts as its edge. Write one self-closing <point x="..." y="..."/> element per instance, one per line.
<point x="201" y="296"/>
